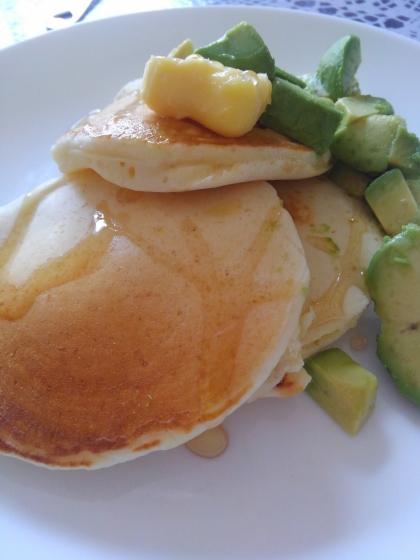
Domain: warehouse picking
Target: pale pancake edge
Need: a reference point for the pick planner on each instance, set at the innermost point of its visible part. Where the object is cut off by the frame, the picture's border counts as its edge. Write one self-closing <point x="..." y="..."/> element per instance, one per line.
<point x="340" y="235"/>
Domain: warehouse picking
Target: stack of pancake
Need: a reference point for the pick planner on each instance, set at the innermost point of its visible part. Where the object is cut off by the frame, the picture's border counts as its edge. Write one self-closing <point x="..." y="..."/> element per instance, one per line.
<point x="161" y="282"/>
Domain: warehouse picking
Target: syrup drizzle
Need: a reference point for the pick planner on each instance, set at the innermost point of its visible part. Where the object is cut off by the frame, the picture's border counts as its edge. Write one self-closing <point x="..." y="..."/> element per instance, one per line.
<point x="224" y="315"/>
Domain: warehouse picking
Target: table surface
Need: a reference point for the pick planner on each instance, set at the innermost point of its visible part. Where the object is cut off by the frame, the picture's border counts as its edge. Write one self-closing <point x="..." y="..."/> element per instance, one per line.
<point x="22" y="19"/>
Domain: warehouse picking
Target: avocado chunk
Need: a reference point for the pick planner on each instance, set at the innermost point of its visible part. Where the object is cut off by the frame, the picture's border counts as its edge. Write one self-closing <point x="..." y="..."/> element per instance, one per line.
<point x="313" y="85"/>
<point x="392" y="202"/>
<point x="360" y="106"/>
<point x="365" y="143"/>
<point x="280" y="73"/>
<point x="243" y="48"/>
<point x="393" y="279"/>
<point x="304" y="117"/>
<point x="352" y="181"/>
<point x="183" y="50"/>
<point x="414" y="186"/>
<point x="337" y="68"/>
<point x="405" y="153"/>
<point x="342" y="387"/>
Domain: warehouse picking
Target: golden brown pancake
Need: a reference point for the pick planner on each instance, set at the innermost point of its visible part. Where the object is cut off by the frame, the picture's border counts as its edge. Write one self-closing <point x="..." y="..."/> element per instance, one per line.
<point x="131" y="322"/>
<point x="131" y="146"/>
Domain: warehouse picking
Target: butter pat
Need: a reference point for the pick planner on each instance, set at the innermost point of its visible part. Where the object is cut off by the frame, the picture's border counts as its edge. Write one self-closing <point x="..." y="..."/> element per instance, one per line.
<point x="225" y="100"/>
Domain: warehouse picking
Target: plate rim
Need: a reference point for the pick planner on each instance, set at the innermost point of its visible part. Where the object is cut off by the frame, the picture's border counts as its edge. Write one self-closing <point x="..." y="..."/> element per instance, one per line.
<point x="306" y="15"/>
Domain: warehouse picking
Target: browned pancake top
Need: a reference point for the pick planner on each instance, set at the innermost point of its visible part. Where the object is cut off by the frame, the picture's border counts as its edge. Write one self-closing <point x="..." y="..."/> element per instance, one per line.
<point x="145" y="329"/>
<point x="132" y="120"/>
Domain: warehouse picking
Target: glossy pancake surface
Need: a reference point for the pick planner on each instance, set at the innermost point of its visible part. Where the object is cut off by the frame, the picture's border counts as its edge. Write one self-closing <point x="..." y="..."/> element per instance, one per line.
<point x="134" y="321"/>
<point x="339" y="235"/>
<point x="131" y="146"/>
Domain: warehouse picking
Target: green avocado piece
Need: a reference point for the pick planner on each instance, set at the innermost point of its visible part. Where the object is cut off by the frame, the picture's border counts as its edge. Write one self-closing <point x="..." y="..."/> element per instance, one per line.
<point x="243" y="48"/>
<point x="314" y="86"/>
<point x="393" y="279"/>
<point x="392" y="201"/>
<point x="414" y="186"/>
<point x="183" y="50"/>
<point x="342" y="387"/>
<point x="405" y="153"/>
<point x="337" y="68"/>
<point x="360" y="106"/>
<point x="352" y="181"/>
<point x="365" y="143"/>
<point x="304" y="117"/>
<point x="280" y="73"/>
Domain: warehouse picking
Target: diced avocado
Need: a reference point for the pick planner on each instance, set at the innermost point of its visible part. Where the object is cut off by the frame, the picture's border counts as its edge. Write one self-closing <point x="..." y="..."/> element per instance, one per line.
<point x="183" y="50"/>
<point x="243" y="48"/>
<point x="352" y="181"/>
<point x="304" y="117"/>
<point x="360" y="106"/>
<point x="393" y="279"/>
<point x="405" y="153"/>
<point x="313" y="85"/>
<point x="337" y="69"/>
<point x="392" y="202"/>
<point x="365" y="143"/>
<point x="414" y="186"/>
<point x="280" y="73"/>
<point x="342" y="387"/>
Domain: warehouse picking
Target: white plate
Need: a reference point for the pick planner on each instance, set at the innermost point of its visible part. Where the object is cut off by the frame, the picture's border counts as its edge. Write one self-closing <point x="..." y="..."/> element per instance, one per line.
<point x="292" y="485"/>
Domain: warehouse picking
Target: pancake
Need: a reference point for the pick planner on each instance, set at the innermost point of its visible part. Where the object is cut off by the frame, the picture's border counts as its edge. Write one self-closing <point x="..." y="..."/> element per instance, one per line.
<point x="131" y="146"/>
<point x="133" y="87"/>
<point x="291" y="384"/>
<point x="340" y="235"/>
<point x="290" y="363"/>
<point x="131" y="322"/>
